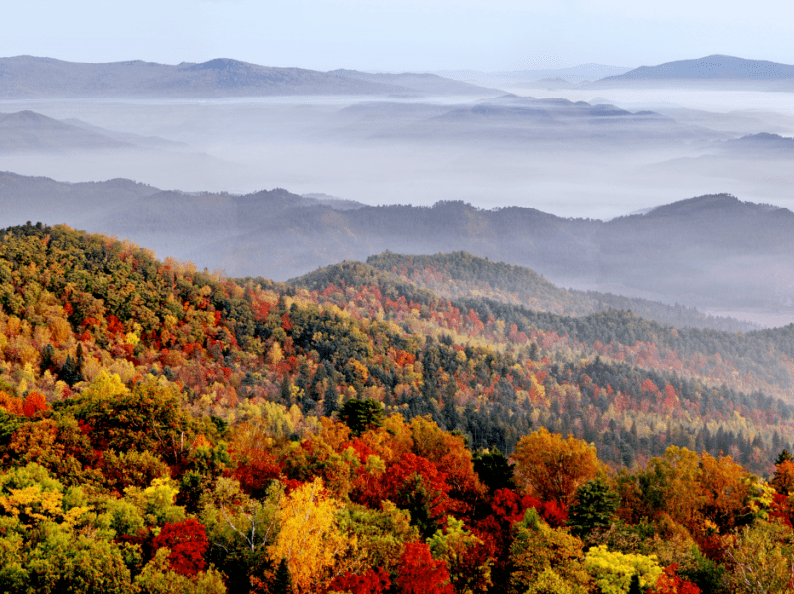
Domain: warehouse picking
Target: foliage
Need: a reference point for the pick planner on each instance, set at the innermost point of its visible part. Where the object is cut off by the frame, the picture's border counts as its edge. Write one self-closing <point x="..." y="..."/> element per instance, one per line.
<point x="371" y="582"/>
<point x="538" y="547"/>
<point x="463" y="553"/>
<point x="309" y="538"/>
<point x="418" y="573"/>
<point x="613" y="571"/>
<point x="593" y="508"/>
<point x="360" y="415"/>
<point x="760" y="559"/>
<point x="670" y="583"/>
<point x="164" y="429"/>
<point x="187" y="542"/>
<point x="553" y="468"/>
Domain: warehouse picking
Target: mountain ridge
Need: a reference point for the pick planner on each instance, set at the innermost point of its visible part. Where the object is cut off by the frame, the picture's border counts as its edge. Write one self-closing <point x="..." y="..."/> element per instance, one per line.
<point x="729" y="255"/>
<point x="716" y="66"/>
<point x="31" y="76"/>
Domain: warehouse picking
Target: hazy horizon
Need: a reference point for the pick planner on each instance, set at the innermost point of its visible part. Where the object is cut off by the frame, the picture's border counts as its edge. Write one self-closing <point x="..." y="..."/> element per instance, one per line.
<point x="394" y="36"/>
<point x="341" y="147"/>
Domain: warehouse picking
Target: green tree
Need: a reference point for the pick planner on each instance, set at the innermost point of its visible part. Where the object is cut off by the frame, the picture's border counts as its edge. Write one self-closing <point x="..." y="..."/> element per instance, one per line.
<point x="494" y="470"/>
<point x="593" y="508"/>
<point x="361" y="415"/>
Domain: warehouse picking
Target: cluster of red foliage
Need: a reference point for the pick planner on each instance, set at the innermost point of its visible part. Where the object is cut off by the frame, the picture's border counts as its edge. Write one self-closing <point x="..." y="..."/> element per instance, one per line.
<point x="670" y="583"/>
<point x="188" y="543"/>
<point x="30" y="406"/>
<point x="419" y="573"/>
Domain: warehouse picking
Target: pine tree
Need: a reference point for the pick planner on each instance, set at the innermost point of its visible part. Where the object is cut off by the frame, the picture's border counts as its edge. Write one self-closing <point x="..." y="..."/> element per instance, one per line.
<point x="282" y="581"/>
<point x="330" y="399"/>
<point x="70" y="372"/>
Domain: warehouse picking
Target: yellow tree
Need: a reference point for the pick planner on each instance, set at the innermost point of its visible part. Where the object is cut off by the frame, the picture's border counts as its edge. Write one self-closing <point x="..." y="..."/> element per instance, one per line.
<point x="552" y="468"/>
<point x="538" y="549"/>
<point x="671" y="485"/>
<point x="309" y="539"/>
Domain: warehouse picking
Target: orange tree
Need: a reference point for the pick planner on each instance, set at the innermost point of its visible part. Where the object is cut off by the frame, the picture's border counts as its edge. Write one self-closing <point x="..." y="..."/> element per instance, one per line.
<point x="552" y="468"/>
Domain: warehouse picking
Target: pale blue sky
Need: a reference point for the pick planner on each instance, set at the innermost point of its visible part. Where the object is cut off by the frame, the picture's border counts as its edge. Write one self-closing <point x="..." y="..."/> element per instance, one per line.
<point x="397" y="35"/>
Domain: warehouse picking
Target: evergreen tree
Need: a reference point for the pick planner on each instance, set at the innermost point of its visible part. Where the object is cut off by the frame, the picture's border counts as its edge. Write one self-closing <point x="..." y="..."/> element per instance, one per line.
<point x="360" y="415"/>
<point x="782" y="457"/>
<point x="70" y="372"/>
<point x="494" y="470"/>
<point x="282" y="581"/>
<point x="594" y="507"/>
<point x="330" y="399"/>
<point x="286" y="391"/>
<point x="449" y="411"/>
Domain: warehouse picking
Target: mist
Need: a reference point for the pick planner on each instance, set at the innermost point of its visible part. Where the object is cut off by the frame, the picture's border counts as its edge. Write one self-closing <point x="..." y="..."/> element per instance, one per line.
<point x="408" y="151"/>
<point x="576" y="153"/>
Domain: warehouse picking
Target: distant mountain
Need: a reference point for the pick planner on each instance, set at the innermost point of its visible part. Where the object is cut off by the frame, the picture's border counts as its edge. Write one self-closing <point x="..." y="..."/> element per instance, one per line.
<point x="154" y="142"/>
<point x="574" y="74"/>
<point x="28" y="76"/>
<point x="28" y="131"/>
<point x="523" y="120"/>
<point x="763" y="143"/>
<point x="709" y="68"/>
<point x="422" y="83"/>
<point x="89" y="203"/>
<point x="711" y="251"/>
<point x="555" y="83"/>
<point x="318" y="198"/>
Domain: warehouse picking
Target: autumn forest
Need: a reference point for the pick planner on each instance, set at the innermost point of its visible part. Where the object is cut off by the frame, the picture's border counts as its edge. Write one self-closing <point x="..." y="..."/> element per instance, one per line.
<point x="405" y="425"/>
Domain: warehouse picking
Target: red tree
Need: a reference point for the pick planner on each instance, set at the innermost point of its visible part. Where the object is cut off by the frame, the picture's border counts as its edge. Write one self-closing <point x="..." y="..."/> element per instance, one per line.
<point x="188" y="543"/>
<point x="670" y="583"/>
<point x="419" y="573"/>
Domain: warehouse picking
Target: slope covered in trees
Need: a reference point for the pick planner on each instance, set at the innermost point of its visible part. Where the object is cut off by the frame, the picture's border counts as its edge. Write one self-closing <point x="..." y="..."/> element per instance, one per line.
<point x="459" y="275"/>
<point x="755" y="361"/>
<point x="162" y="427"/>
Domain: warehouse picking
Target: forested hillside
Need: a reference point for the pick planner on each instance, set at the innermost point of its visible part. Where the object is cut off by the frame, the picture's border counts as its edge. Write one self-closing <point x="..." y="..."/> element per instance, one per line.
<point x="166" y="429"/>
<point x="459" y="274"/>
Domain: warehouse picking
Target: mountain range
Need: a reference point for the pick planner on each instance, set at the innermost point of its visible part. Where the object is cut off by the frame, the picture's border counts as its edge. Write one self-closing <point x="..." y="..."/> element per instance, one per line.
<point x="708" y="251"/>
<point x="28" y="77"/>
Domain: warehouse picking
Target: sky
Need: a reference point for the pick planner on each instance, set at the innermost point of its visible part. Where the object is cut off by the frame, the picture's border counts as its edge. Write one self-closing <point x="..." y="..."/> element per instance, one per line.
<point x="399" y="35"/>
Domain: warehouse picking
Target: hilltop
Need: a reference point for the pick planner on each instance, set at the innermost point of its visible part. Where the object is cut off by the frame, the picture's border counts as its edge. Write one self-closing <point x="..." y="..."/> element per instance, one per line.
<point x="461" y="275"/>
<point x="710" y="67"/>
<point x="75" y="306"/>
